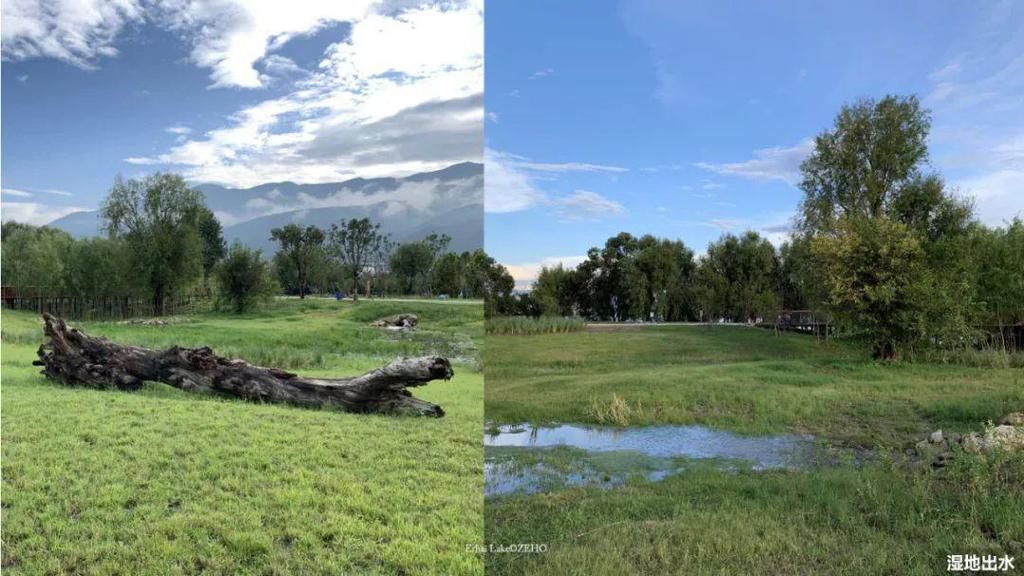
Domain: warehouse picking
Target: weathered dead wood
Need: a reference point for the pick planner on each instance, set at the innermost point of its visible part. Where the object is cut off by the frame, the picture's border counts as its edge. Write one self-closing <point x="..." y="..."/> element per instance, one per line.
<point x="398" y="322"/>
<point x="77" y="359"/>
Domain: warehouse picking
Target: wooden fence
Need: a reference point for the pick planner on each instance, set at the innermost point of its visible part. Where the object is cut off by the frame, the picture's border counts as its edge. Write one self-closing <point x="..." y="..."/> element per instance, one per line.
<point x="106" y="308"/>
<point x="802" y="321"/>
<point x="1009" y="337"/>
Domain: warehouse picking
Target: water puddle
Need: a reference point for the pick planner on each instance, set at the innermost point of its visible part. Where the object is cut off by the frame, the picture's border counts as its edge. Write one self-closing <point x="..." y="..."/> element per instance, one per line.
<point x="543" y="458"/>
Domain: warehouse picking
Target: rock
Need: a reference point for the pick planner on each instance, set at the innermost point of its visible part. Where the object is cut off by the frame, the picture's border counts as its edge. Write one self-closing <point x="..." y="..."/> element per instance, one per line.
<point x="927" y="451"/>
<point x="971" y="443"/>
<point x="1013" y="419"/>
<point x="1006" y="437"/>
<point x="936" y="437"/>
<point x="1003" y="437"/>
<point x="953" y="438"/>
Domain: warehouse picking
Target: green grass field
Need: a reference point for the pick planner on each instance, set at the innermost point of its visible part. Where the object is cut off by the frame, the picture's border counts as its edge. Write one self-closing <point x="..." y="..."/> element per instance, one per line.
<point x="165" y="482"/>
<point x="879" y="518"/>
<point x="747" y="380"/>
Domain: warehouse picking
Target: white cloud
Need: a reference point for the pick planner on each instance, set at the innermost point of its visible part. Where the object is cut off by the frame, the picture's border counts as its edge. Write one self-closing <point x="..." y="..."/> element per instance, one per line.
<point x="34" y="212"/>
<point x="998" y="196"/>
<point x="511" y="187"/>
<point x="75" y="31"/>
<point x="526" y="273"/>
<point x="56" y="192"/>
<point x="231" y="38"/>
<point x="493" y="117"/>
<point x="542" y="73"/>
<point x="31" y="192"/>
<point x="402" y="94"/>
<point x="586" y="204"/>
<point x="425" y="196"/>
<point x="277" y="65"/>
<point x="178" y="130"/>
<point x="775" y="163"/>
<point x="508" y="188"/>
<point x="525" y="164"/>
<point x="775" y="227"/>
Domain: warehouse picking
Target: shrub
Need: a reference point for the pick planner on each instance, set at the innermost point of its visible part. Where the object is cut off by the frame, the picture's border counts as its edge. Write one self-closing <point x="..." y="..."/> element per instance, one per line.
<point x="244" y="278"/>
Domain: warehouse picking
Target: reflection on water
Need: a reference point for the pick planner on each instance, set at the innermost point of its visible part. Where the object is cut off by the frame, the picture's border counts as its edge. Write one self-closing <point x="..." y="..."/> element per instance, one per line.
<point x="663" y="447"/>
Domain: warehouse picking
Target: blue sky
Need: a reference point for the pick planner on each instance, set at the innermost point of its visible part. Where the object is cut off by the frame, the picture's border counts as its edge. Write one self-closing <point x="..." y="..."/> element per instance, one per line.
<point x="689" y="119"/>
<point x="232" y="92"/>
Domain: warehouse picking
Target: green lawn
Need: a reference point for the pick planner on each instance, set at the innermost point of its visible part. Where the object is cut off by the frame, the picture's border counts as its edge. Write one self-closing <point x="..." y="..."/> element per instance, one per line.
<point x="880" y="518"/>
<point x="165" y="482"/>
<point x="747" y="380"/>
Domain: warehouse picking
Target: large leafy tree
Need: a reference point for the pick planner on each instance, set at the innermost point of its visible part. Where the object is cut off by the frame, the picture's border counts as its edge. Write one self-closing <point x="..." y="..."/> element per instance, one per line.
<point x="302" y="249"/>
<point x="244" y="278"/>
<point x="998" y="269"/>
<point x="211" y="234"/>
<point x="95" y="269"/>
<point x="738" y="278"/>
<point x="498" y="288"/>
<point x="358" y="244"/>
<point x="448" y="275"/>
<point x="157" y="218"/>
<point x="551" y="290"/>
<point x="865" y="182"/>
<point x="34" y="258"/>
<point x="659" y="277"/>
<point x="410" y="265"/>
<point x="874" y="271"/>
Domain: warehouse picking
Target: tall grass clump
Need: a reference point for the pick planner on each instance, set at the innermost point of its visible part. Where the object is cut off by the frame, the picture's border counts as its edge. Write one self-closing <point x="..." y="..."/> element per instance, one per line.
<point x="985" y="357"/>
<point x="617" y="411"/>
<point x="524" y="325"/>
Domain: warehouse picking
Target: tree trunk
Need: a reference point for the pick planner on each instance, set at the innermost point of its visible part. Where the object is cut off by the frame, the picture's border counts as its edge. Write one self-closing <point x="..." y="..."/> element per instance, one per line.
<point x="76" y="359"/>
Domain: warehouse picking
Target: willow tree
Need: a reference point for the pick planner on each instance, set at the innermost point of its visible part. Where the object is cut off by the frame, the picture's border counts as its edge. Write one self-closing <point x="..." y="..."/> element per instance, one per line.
<point x="158" y="219"/>
<point x="875" y="217"/>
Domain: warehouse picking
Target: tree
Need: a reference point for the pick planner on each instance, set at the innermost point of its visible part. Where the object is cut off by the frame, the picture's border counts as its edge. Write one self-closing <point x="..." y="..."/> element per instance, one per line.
<point x="875" y="276"/>
<point x="94" y="269"/>
<point x="448" y="275"/>
<point x="302" y="248"/>
<point x="865" y="179"/>
<point x="157" y="218"/>
<point x="738" y="278"/>
<point x="875" y="149"/>
<point x="438" y="244"/>
<point x="498" y="289"/>
<point x="800" y="287"/>
<point x="34" y="258"/>
<point x="998" y="272"/>
<point x="410" y="264"/>
<point x="551" y="291"/>
<point x="211" y="234"/>
<point x="475" y="264"/>
<point x="357" y="244"/>
<point x="244" y="278"/>
<point x="659" y="277"/>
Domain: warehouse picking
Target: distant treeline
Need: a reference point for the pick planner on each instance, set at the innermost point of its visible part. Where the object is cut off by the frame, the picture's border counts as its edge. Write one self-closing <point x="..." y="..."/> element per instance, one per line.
<point x="879" y="244"/>
<point x="163" y="243"/>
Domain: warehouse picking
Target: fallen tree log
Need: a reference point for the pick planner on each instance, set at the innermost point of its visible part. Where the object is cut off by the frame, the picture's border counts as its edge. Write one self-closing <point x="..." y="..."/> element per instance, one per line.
<point x="76" y="359"/>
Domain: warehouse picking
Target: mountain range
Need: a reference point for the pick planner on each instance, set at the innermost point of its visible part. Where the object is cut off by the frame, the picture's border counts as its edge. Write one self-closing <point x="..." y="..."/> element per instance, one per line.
<point x="447" y="201"/>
